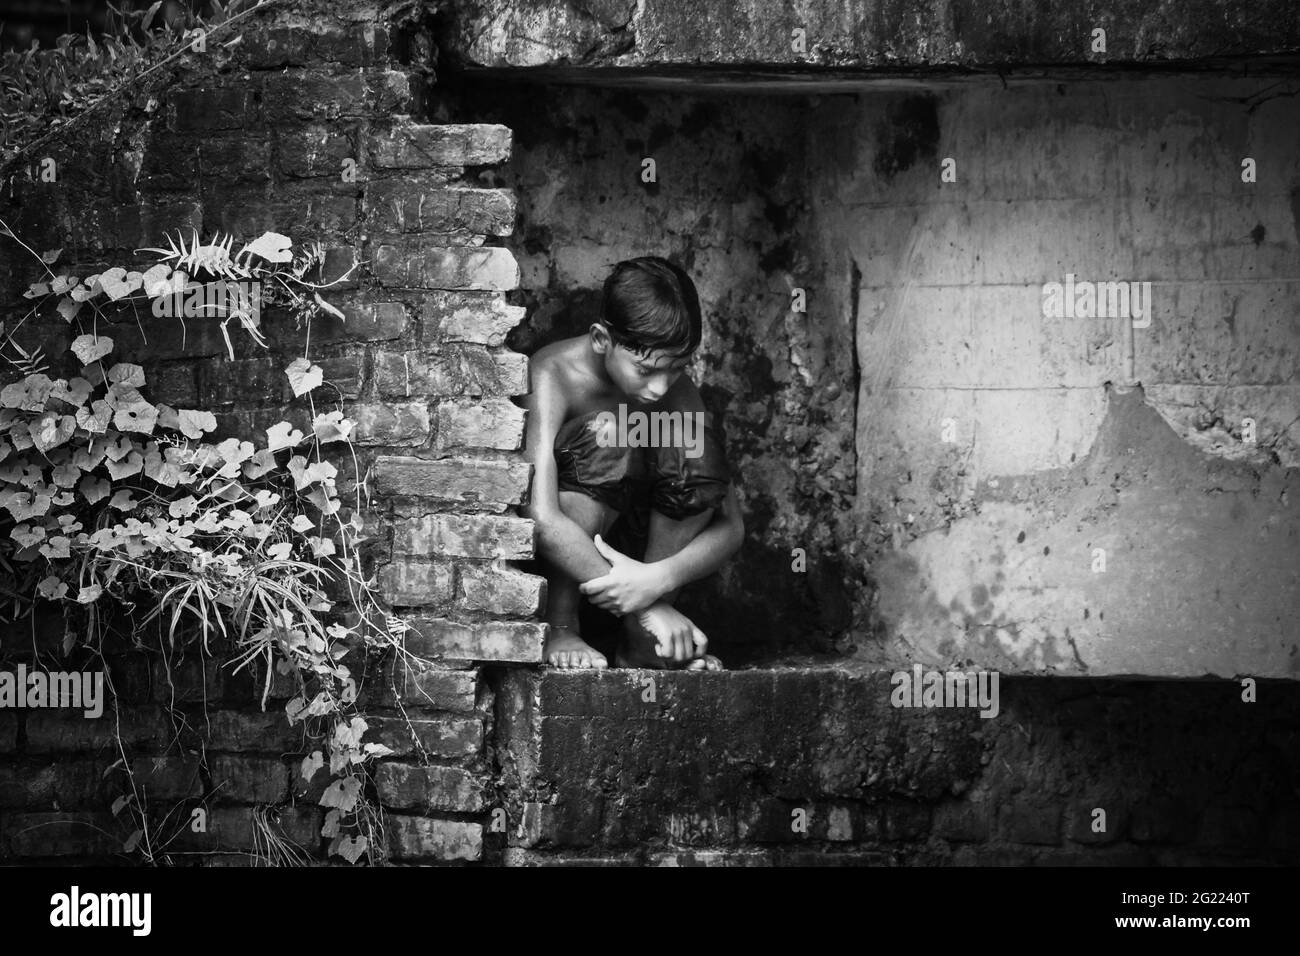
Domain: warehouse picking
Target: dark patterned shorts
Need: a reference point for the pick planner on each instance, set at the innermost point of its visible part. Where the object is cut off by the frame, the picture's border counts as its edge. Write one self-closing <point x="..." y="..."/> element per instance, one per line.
<point x="637" y="480"/>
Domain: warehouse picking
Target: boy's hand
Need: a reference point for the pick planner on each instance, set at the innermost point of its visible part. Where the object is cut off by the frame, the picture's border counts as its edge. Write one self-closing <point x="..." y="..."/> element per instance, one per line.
<point x="628" y="587"/>
<point x="678" y="638"/>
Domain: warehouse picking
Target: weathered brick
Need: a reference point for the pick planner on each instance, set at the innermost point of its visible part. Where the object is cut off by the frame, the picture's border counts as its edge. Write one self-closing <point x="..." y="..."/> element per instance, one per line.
<point x="1025" y="821"/>
<point x="252" y="731"/>
<point x="962" y="822"/>
<point x="403" y="787"/>
<point x="467" y="317"/>
<point x="174" y="383"/>
<point x="467" y="481"/>
<point x="144" y="224"/>
<point x="324" y="215"/>
<point x="268" y="46"/>
<point x="469" y="536"/>
<point x="390" y="424"/>
<point x="408" y="265"/>
<point x="194" y="680"/>
<point x="399" y="207"/>
<point x="231" y="828"/>
<point x="248" y="779"/>
<point x="421" y="838"/>
<point x="414" y="146"/>
<point x="366" y="320"/>
<point x="254" y="379"/>
<point x="169" y="776"/>
<point x="235" y="158"/>
<point x="488" y="423"/>
<point x="1160" y="821"/>
<point x="568" y="822"/>
<point x="171" y="162"/>
<point x="212" y="108"/>
<point x="427" y="686"/>
<point x="298" y="96"/>
<point x="59" y="834"/>
<point x="164" y="338"/>
<point x="487" y="641"/>
<point x="1231" y="829"/>
<point x="68" y="730"/>
<point x="440" y="737"/>
<point x="62" y="785"/>
<point x="339" y="271"/>
<point x="8" y="732"/>
<point x="315" y="150"/>
<point x="452" y="370"/>
<point x="283" y="686"/>
<point x="501" y="591"/>
<point x="416" y="584"/>
<point x="343" y="372"/>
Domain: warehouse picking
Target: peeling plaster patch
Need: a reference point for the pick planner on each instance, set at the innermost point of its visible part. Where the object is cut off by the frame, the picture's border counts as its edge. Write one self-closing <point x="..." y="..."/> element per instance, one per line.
<point x="1199" y="565"/>
<point x="1209" y="418"/>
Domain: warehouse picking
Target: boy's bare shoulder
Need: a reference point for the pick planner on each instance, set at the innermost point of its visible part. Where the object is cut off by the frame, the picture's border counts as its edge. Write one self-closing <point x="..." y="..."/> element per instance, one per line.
<point x="557" y="361"/>
<point x="561" y="367"/>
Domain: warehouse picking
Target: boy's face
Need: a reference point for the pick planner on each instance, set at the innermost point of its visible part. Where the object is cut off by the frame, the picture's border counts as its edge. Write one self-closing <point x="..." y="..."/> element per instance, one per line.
<point x="643" y="378"/>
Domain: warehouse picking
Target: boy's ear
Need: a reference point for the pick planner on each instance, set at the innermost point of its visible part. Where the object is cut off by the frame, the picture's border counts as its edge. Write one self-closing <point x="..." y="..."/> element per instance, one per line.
<point x="600" y="338"/>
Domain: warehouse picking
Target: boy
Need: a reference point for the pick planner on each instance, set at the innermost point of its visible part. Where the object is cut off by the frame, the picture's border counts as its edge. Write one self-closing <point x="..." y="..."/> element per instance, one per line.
<point x="588" y="471"/>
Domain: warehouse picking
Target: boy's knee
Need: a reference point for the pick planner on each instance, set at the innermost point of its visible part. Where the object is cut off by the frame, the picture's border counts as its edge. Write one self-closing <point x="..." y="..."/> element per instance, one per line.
<point x="692" y="477"/>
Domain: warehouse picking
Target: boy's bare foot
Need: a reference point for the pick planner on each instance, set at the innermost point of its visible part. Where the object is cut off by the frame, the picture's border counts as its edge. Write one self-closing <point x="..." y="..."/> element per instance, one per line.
<point x="565" y="649"/>
<point x="639" y="648"/>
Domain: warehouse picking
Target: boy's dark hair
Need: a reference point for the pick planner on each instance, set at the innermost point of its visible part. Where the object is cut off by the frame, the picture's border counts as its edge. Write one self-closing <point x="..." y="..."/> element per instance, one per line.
<point x="651" y="305"/>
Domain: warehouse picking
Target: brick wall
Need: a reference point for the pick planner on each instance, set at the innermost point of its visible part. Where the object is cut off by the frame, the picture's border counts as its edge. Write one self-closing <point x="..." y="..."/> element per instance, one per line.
<point x="264" y="135"/>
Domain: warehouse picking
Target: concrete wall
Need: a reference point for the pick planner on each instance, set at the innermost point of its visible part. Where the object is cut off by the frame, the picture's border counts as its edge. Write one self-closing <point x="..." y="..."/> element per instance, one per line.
<point x="1075" y="434"/>
<point x="717" y="769"/>
<point x="925" y="307"/>
<point x="862" y="34"/>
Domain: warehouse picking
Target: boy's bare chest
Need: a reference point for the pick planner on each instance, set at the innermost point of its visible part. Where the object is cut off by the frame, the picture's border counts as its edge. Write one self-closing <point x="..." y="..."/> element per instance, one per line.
<point x="585" y="400"/>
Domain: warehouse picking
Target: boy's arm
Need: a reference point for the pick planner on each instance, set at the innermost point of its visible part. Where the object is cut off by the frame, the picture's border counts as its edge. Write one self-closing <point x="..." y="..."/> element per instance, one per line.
<point x="707" y="551"/>
<point x="633" y="585"/>
<point x="559" y="538"/>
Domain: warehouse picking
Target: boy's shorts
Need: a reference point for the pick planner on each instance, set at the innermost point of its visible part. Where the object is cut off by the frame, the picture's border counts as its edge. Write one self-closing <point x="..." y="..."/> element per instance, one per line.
<point x="635" y="481"/>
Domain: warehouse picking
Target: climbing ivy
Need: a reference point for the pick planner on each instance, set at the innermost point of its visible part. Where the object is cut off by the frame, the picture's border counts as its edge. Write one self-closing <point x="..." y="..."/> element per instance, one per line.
<point x="110" y="498"/>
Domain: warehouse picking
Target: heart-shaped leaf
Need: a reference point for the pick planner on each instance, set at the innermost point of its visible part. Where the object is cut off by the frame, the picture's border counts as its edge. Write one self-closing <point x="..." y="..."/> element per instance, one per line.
<point x="351" y="848"/>
<point x="303" y="376"/>
<point x="310" y="764"/>
<point x="331" y="427"/>
<point x="91" y="348"/>
<point x="282" y="435"/>
<point x="270" y="246"/>
<point x="126" y="373"/>
<point x="94" y="489"/>
<point x="27" y="535"/>
<point x="342" y="794"/>
<point x="193" y="424"/>
<point x="52" y="588"/>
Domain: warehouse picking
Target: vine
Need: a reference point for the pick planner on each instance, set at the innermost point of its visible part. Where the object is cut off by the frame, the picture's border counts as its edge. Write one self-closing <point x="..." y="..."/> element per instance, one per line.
<point x="111" y="500"/>
<point x="44" y="92"/>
